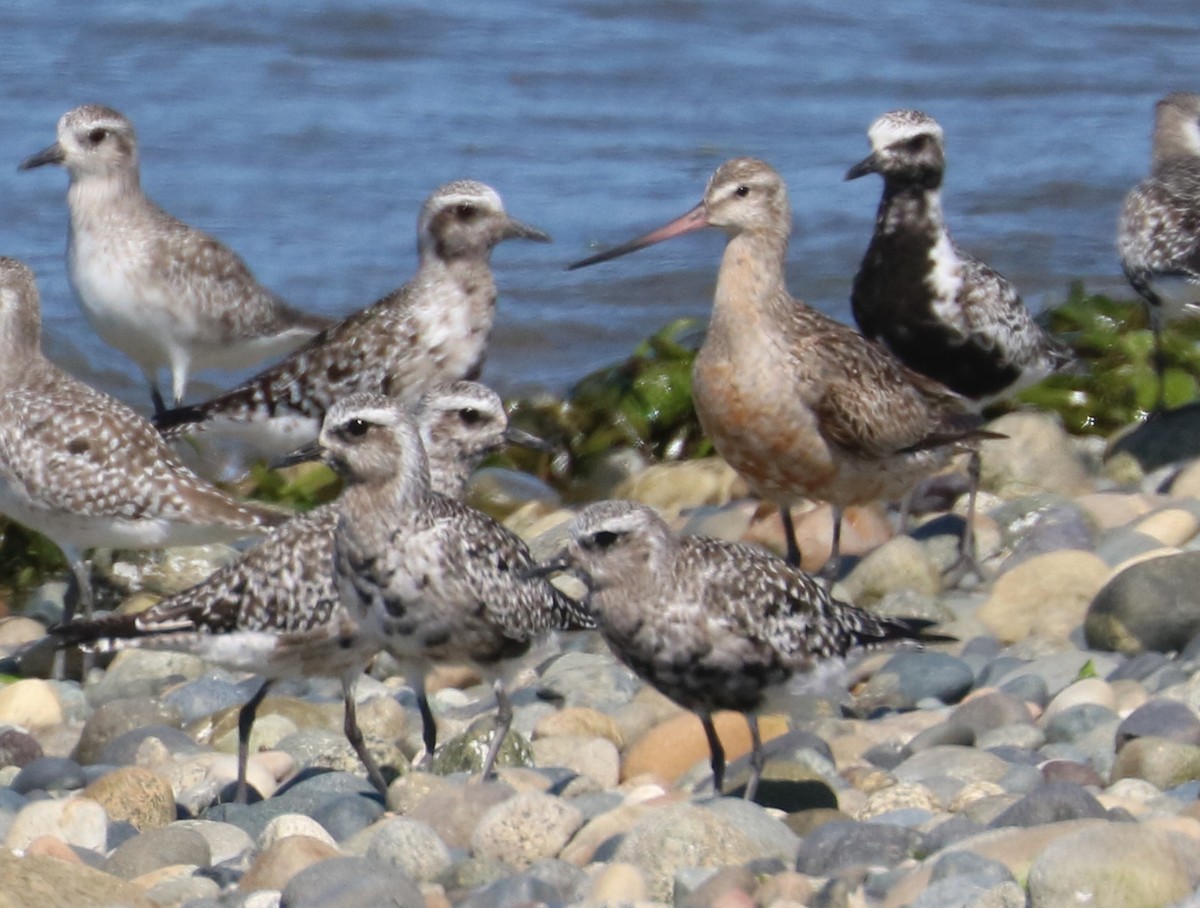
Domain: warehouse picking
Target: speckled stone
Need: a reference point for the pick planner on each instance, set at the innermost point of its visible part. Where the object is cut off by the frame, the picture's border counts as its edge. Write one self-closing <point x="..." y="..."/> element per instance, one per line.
<point x="136" y="795"/>
<point x="524" y="828"/>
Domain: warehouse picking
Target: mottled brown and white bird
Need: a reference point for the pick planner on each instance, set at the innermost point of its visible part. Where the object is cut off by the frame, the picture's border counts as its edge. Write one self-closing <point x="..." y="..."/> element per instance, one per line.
<point x="85" y="470"/>
<point x="1158" y="234"/>
<point x="275" y="611"/>
<point x="942" y="312"/>
<point x="162" y="292"/>
<point x="799" y="404"/>
<point x="711" y="624"/>
<point x="433" y="329"/>
<point x="429" y="578"/>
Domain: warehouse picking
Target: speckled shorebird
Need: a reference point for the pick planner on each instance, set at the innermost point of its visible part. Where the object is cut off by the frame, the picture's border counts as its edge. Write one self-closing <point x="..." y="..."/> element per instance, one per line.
<point x="1158" y="235"/>
<point x="163" y="293"/>
<point x="711" y="624"/>
<point x="85" y="470"/>
<point x="800" y="405"/>
<point x="275" y="611"/>
<point x="435" y="328"/>
<point x="940" y="311"/>
<point x="430" y="579"/>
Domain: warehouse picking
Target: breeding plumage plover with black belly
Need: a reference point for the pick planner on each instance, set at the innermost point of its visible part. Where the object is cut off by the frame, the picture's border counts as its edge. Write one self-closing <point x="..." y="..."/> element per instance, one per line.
<point x="431" y="579"/>
<point x="711" y="624"/>
<point x="800" y="405"/>
<point x="163" y="293"/>
<point x="1158" y="235"/>
<point x="941" y="312"/>
<point x="275" y="611"/>
<point x="85" y="470"/>
<point x="433" y="329"/>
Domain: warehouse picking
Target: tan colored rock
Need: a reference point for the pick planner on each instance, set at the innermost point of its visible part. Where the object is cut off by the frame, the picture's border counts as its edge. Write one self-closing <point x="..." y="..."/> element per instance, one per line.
<point x="899" y="796"/>
<point x="1187" y="483"/>
<point x="286" y="857"/>
<point x="593" y="758"/>
<point x="1170" y="526"/>
<point x="50" y="847"/>
<point x="1086" y="691"/>
<point x="17" y="630"/>
<point x="616" y="883"/>
<point x="671" y="487"/>
<point x="1114" y="509"/>
<point x="1047" y="596"/>
<point x="451" y="677"/>
<point x="673" y="747"/>
<point x="579" y="720"/>
<point x="901" y="563"/>
<point x="1035" y="456"/>
<point x="46" y="882"/>
<point x="30" y="703"/>
<point x="136" y="795"/>
<point x="1160" y="761"/>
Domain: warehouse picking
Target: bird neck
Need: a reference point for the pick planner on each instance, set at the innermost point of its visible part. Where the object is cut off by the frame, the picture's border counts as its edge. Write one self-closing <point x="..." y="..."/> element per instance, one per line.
<point x="910" y="207"/>
<point x="751" y="288"/>
<point x="90" y="194"/>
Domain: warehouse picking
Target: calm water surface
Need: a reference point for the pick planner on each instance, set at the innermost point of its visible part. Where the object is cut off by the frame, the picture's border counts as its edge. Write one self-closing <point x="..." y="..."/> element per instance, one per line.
<point x="307" y="134"/>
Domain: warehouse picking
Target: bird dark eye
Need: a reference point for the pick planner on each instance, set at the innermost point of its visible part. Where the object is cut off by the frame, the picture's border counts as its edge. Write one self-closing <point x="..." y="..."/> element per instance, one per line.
<point x="356" y="428"/>
<point x="97" y="135"/>
<point x="465" y="211"/>
<point x="917" y="143"/>
<point x="742" y="191"/>
<point x="469" y="415"/>
<point x="603" y="539"/>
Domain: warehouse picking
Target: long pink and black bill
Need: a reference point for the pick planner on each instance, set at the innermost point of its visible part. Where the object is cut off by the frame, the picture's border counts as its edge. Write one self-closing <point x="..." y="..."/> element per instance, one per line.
<point x="694" y="220"/>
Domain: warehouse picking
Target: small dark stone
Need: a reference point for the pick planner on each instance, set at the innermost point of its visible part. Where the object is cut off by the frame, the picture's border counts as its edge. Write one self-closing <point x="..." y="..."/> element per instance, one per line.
<point x="116" y="717"/>
<point x="838" y="845"/>
<point x="351" y="882"/>
<point x="960" y="826"/>
<point x="1160" y="718"/>
<point x="49" y="774"/>
<point x="18" y="748"/>
<point x="1051" y="803"/>
<point x="122" y="750"/>
<point x="157" y="848"/>
<point x="943" y="733"/>
<point x="924" y="674"/>
<point x="985" y="871"/>
<point x="1076" y="721"/>
<point x="1057" y="527"/>
<point x="1148" y="606"/>
<point x="887" y="755"/>
<point x="989" y="711"/>
<point x="523" y="889"/>
<point x="1138" y="667"/>
<point x="1030" y="688"/>
<point x="346" y="815"/>
<point x="1070" y="771"/>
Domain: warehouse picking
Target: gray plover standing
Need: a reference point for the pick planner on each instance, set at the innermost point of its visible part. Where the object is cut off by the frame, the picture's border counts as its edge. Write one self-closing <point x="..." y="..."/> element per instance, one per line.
<point x="801" y="405"/>
<point x="435" y="328"/>
<point x="711" y="624"/>
<point x="1158" y="235"/>
<point x="275" y="611"/>
<point x="85" y="470"/>
<point x="163" y="293"/>
<point x="429" y="578"/>
<point x="940" y="311"/>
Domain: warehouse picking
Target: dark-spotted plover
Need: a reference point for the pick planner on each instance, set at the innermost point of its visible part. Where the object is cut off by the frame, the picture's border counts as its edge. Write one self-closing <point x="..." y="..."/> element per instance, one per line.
<point x="435" y="328"/>
<point x="163" y="293"/>
<point x="1158" y="235"/>
<point x="427" y="577"/>
<point x="275" y="611"/>
<point x="85" y="470"/>
<point x="801" y="405"/>
<point x="940" y="311"/>
<point x="713" y="625"/>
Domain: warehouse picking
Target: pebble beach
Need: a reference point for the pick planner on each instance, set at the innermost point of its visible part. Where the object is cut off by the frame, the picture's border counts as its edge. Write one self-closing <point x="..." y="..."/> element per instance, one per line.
<point x="1050" y="756"/>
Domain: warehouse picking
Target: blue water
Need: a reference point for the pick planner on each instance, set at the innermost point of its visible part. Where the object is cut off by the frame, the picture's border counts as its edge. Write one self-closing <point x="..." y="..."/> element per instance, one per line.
<point x="306" y="135"/>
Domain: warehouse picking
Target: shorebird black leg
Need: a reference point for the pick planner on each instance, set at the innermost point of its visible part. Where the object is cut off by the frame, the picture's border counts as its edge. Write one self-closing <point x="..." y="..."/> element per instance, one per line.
<point x="716" y="752"/>
<point x="428" y="722"/>
<point x="757" y="758"/>
<point x="789" y="536"/>
<point x="355" y="736"/>
<point x="829" y="573"/>
<point x="245" y="723"/>
<point x="1160" y="356"/>
<point x="504" y="717"/>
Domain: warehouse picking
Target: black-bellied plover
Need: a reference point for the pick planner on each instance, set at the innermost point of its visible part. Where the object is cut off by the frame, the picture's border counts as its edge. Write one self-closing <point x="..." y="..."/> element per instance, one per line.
<point x="275" y="611"/>
<point x="435" y="328"/>
<point x="711" y="624"/>
<point x="85" y="470"/>
<point x="163" y="293"/>
<point x="429" y="578"/>
<point x="800" y="405"/>
<point x="940" y="311"/>
<point x="1158" y="235"/>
